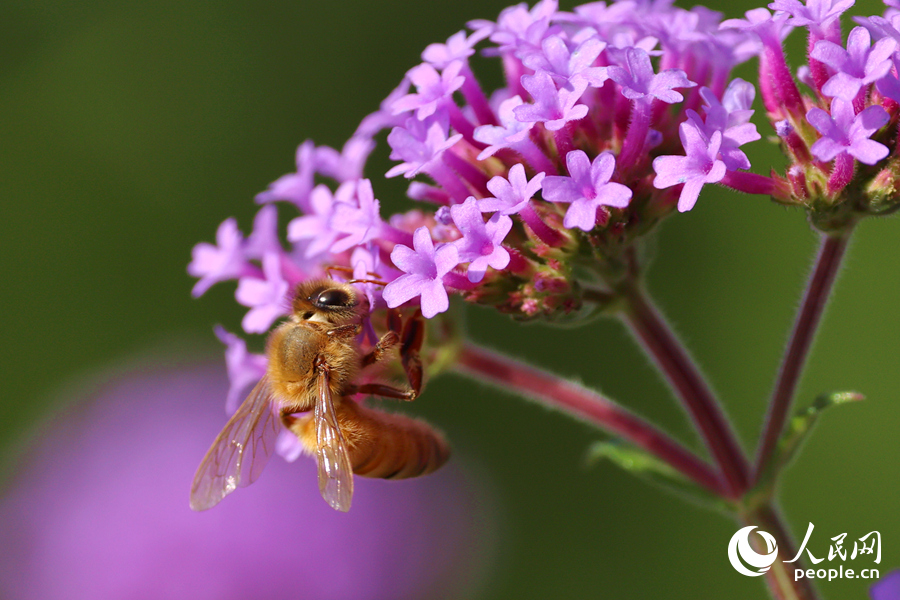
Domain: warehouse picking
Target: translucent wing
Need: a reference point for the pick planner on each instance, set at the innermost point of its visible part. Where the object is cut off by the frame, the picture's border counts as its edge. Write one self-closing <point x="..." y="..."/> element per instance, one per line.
<point x="241" y="450"/>
<point x="335" y="473"/>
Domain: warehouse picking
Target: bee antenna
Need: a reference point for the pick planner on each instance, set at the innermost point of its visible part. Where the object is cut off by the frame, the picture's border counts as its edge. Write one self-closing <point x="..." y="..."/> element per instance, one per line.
<point x="331" y="268"/>
<point x="373" y="281"/>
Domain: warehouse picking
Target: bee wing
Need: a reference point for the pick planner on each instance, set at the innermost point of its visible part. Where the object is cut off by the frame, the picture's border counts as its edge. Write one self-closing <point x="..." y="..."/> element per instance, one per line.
<point x="241" y="451"/>
<point x="335" y="472"/>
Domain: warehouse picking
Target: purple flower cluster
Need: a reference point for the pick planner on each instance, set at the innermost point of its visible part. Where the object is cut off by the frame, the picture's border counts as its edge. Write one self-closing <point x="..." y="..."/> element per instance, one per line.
<point x="612" y="117"/>
<point x="841" y="135"/>
<point x="557" y="164"/>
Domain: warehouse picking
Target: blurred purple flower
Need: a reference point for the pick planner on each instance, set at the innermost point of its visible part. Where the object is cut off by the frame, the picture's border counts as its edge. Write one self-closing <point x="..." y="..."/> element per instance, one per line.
<point x="888" y="588"/>
<point x="815" y="14"/>
<point x="264" y="237"/>
<point x="225" y="260"/>
<point x="244" y="369"/>
<point x="265" y="297"/>
<point x="294" y="187"/>
<point x="100" y="511"/>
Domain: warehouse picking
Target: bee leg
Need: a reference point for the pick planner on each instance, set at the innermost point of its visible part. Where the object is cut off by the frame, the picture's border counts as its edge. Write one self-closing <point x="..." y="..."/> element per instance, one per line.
<point x="410" y="346"/>
<point x="387" y="341"/>
<point x="394" y="321"/>
<point x="345" y="331"/>
<point x="385" y="391"/>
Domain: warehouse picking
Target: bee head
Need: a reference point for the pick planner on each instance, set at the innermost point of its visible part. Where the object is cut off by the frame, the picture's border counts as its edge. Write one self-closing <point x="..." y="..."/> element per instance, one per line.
<point x="326" y="301"/>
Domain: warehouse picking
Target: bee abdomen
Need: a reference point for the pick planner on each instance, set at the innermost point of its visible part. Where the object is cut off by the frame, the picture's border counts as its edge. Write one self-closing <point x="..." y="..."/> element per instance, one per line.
<point x="390" y="446"/>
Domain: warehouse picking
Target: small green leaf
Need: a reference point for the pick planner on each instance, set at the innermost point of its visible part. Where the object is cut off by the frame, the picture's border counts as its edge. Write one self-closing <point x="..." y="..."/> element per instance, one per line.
<point x="801" y="424"/>
<point x="797" y="431"/>
<point x="649" y="468"/>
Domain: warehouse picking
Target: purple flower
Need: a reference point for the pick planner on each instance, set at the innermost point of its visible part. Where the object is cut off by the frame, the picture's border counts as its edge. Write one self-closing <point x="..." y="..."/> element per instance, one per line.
<point x="566" y="66"/>
<point x="346" y="165"/>
<point x="294" y="187"/>
<point x="509" y="134"/>
<point x="424" y="267"/>
<point x="264" y="237"/>
<point x="518" y="27"/>
<point x="554" y="108"/>
<point x="359" y="221"/>
<point x="699" y="167"/>
<point x="639" y="81"/>
<point x="244" y="368"/>
<point x="842" y="131"/>
<point x="265" y="297"/>
<point x="815" y="14"/>
<point x="731" y="118"/>
<point x="480" y="245"/>
<point x="888" y="588"/>
<point x="761" y="22"/>
<point x="513" y="194"/>
<point x="316" y="227"/>
<point x="383" y="118"/>
<point x="419" y="144"/>
<point x="458" y="47"/>
<point x="123" y="530"/>
<point x="587" y="188"/>
<point x="225" y="260"/>
<point x="859" y="65"/>
<point x="433" y="88"/>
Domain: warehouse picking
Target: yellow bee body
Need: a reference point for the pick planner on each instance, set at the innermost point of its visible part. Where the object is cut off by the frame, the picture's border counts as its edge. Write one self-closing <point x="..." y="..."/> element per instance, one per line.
<point x="314" y="365"/>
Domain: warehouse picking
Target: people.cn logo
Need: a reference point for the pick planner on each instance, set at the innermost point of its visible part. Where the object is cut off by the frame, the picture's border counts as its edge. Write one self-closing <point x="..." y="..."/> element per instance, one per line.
<point x="739" y="549"/>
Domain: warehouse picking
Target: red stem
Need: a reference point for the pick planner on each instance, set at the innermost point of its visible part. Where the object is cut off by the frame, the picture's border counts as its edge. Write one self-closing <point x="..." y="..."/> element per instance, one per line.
<point x="660" y="342"/>
<point x="828" y="263"/>
<point x="548" y="389"/>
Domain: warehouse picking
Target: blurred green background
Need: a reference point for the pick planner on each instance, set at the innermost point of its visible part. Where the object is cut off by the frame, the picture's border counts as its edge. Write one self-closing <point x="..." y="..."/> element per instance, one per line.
<point x="131" y="130"/>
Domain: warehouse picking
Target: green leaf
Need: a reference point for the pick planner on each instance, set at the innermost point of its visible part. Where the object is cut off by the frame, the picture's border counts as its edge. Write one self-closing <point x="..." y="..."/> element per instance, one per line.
<point x="650" y="468"/>
<point x="801" y="424"/>
<point x="796" y="432"/>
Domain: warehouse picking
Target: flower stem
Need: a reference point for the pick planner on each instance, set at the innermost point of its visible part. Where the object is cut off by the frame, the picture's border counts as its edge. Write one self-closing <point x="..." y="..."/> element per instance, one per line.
<point x="828" y="262"/>
<point x="780" y="576"/>
<point x="548" y="389"/>
<point x="651" y="329"/>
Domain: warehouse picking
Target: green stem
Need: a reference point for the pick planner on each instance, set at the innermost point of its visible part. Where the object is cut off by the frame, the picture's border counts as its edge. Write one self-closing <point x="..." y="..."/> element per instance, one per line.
<point x="821" y="281"/>
<point x="780" y="576"/>
<point x="553" y="391"/>
<point x="660" y="343"/>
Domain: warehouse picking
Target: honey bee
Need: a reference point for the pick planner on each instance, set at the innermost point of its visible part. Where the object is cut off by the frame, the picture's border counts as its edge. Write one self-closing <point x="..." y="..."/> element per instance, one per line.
<point x="314" y="365"/>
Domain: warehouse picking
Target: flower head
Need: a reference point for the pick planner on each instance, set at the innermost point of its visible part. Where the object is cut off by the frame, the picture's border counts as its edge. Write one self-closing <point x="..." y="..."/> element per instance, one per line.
<point x="613" y="116"/>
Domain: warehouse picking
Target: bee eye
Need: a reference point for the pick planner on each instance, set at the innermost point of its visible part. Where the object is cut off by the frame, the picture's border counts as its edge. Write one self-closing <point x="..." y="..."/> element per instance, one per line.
<point x="332" y="298"/>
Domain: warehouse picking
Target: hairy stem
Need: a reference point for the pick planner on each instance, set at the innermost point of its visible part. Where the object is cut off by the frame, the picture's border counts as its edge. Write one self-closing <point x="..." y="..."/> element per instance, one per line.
<point x="658" y="340"/>
<point x="587" y="405"/>
<point x="780" y="576"/>
<point x="821" y="281"/>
